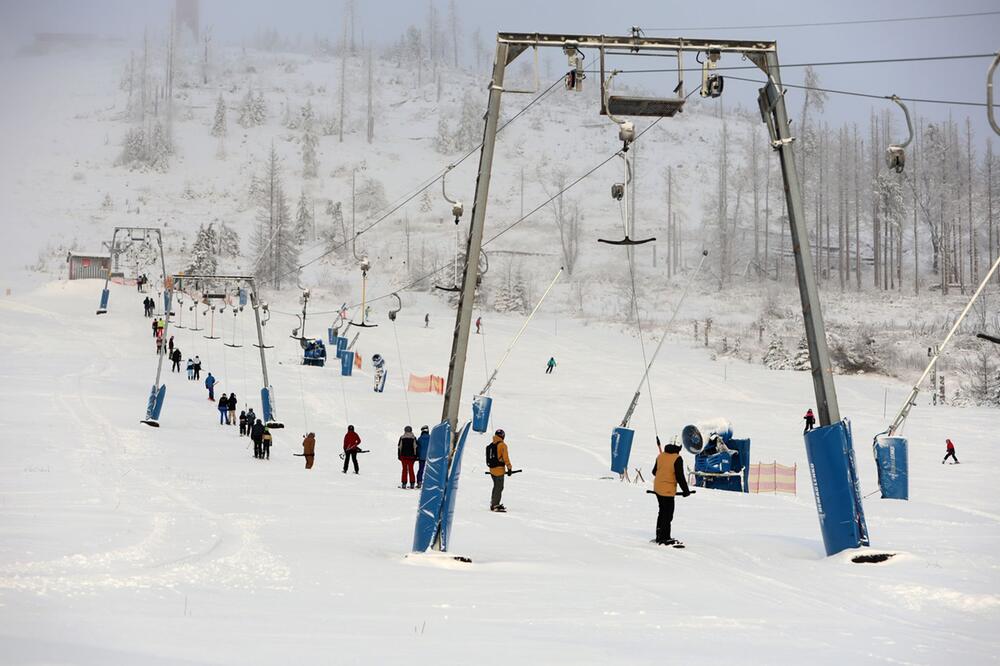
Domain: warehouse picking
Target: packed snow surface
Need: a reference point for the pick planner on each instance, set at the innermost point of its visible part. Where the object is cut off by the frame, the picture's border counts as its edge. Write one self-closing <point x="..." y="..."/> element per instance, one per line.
<point x="124" y="544"/>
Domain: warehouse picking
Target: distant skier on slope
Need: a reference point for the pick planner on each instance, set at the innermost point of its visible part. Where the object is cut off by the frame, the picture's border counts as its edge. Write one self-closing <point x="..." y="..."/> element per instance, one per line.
<point x="498" y="460"/>
<point x="352" y="442"/>
<point x="309" y="449"/>
<point x="479" y="325"/>
<point x="407" y="454"/>
<point x="209" y="382"/>
<point x="810" y="420"/>
<point x="950" y="448"/>
<point x="427" y="320"/>
<point x="190" y="369"/>
<point x="668" y="473"/>
<point x="423" y="442"/>
<point x="551" y="365"/>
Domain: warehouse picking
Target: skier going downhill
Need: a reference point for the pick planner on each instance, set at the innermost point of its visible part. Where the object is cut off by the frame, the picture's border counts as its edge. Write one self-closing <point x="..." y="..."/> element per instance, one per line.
<point x="810" y="420"/>
<point x="668" y="473"/>
<point x="950" y="447"/>
<point x="407" y="454"/>
<point x="550" y="366"/>
<point x="498" y="460"/>
<point x="352" y="442"/>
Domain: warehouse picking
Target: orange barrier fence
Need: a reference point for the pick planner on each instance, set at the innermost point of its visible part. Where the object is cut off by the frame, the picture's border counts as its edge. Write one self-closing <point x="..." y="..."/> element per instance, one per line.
<point x="357" y="361"/>
<point x="428" y="384"/>
<point x="773" y="478"/>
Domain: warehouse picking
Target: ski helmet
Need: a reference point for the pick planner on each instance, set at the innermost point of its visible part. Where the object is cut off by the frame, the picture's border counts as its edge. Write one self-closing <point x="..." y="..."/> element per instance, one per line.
<point x="500" y="433"/>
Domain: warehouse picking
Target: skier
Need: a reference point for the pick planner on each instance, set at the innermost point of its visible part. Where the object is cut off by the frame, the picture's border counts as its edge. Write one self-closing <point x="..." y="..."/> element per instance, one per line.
<point x="497" y="459"/>
<point x="159" y="345"/>
<point x="810" y="420"/>
<point x="309" y="449"/>
<point x="265" y="444"/>
<point x="155" y="328"/>
<point x="243" y="423"/>
<point x="479" y="325"/>
<point x="550" y="366"/>
<point x="160" y="326"/>
<point x="170" y="344"/>
<point x="190" y="369"/>
<point x="427" y="320"/>
<point x="175" y="357"/>
<point x="223" y="409"/>
<point x="423" y="442"/>
<point x="209" y="381"/>
<point x="407" y="454"/>
<point x="256" y="435"/>
<point x="668" y="473"/>
<point x="251" y="419"/>
<point x="951" y="452"/>
<point x="197" y="367"/>
<point x="352" y="441"/>
<point x="232" y="404"/>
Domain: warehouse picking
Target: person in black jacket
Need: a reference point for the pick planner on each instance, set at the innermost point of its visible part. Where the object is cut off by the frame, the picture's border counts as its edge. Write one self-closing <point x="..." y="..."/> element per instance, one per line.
<point x="257" y="435"/>
<point x="243" y="423"/>
<point x="407" y="453"/>
<point x="810" y="420"/>
<point x="175" y="357"/>
<point x="251" y="419"/>
<point x="231" y="404"/>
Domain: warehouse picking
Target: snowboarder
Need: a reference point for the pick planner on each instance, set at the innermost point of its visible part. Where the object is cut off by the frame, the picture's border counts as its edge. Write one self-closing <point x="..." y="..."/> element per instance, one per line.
<point x="243" y="423"/>
<point x="668" y="473"/>
<point x="407" y="454"/>
<point x="427" y="320"/>
<point x="190" y="369"/>
<point x="256" y="435"/>
<point x="309" y="449"/>
<point x="550" y="366"/>
<point x="175" y="357"/>
<point x="479" y="325"/>
<point x="209" y="381"/>
<point x="197" y="367"/>
<point x="810" y="420"/>
<point x="265" y="445"/>
<point x="352" y="441"/>
<point x="231" y="404"/>
<point x="223" y="409"/>
<point x="950" y="452"/>
<point x="497" y="459"/>
<point x="423" y="442"/>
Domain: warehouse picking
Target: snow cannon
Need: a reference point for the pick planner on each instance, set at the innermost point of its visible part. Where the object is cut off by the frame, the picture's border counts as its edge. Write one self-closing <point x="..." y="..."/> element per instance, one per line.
<point x="892" y="463"/>
<point x="482" y="405"/>
<point x="346" y="362"/>
<point x="830" y="451"/>
<point x="718" y="426"/>
<point x="314" y="353"/>
<point x="103" y="307"/>
<point x="692" y="439"/>
<point x="721" y="462"/>
<point x="621" y="448"/>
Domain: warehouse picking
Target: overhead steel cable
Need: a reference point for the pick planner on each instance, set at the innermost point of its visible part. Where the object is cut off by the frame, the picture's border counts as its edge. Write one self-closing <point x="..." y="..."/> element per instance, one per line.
<point x="852" y="93"/>
<point x="827" y="63"/>
<point x="817" y="24"/>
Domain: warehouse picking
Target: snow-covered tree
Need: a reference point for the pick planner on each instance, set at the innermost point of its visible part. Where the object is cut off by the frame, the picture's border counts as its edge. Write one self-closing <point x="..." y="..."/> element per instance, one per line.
<point x="203" y="252"/>
<point x="982" y="372"/>
<point x="219" y="124"/>
<point x="303" y="219"/>
<point x="274" y="243"/>
<point x="229" y="241"/>
<point x="801" y="359"/>
<point x="253" y="110"/>
<point x="776" y="358"/>
<point x="146" y="150"/>
<point x="370" y="195"/>
<point x="310" y="164"/>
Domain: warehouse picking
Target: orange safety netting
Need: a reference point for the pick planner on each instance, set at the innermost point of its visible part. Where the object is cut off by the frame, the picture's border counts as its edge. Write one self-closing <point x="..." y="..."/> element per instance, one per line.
<point x="773" y="478"/>
<point x="357" y="361"/>
<point x="428" y="384"/>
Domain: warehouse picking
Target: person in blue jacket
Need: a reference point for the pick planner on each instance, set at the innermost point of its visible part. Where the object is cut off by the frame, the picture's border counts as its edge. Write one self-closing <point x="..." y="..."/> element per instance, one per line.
<point x="423" y="442"/>
<point x="210" y="385"/>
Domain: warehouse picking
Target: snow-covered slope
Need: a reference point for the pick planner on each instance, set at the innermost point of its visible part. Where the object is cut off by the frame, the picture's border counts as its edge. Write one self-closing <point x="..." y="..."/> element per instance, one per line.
<point x="126" y="544"/>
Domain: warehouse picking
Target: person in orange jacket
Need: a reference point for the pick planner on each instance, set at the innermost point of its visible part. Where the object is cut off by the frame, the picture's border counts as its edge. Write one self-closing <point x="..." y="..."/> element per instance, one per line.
<point x="668" y="473"/>
<point x="498" y="460"/>
<point x="309" y="449"/>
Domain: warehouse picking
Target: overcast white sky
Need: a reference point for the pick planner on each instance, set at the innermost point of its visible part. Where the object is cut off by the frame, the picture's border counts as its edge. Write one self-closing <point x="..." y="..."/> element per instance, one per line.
<point x="383" y="20"/>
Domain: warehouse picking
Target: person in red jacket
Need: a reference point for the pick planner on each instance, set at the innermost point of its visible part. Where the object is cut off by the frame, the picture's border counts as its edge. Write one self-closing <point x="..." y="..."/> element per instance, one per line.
<point x="810" y="420"/>
<point x="407" y="453"/>
<point x="951" y="452"/>
<point x="352" y="442"/>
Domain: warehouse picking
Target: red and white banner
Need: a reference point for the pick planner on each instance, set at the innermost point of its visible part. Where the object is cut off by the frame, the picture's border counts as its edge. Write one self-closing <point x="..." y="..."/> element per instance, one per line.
<point x="772" y="478"/>
<point x="426" y="384"/>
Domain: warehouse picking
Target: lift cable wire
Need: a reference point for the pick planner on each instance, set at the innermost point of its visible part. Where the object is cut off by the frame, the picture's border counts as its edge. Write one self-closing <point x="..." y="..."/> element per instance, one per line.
<point x="852" y="93"/>
<point x="901" y="19"/>
<point x="427" y="184"/>
<point x="828" y="63"/>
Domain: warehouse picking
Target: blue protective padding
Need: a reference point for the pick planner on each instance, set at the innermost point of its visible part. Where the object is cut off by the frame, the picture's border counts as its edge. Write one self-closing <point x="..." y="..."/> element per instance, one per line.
<point x="346" y="363"/>
<point x="166" y="303"/>
<point x="830" y="452"/>
<point x="432" y="492"/>
<point x="451" y="489"/>
<point x="621" y="448"/>
<point x="105" y="295"/>
<point x="330" y="337"/>
<point x="481" y="407"/>
<point x="155" y="403"/>
<point x="265" y="401"/>
<point x="892" y="462"/>
<point x="243" y="297"/>
<point x="719" y="462"/>
<point x="341" y="346"/>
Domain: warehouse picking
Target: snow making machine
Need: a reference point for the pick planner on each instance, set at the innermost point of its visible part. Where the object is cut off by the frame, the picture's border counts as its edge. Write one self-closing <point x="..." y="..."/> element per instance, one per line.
<point x="721" y="462"/>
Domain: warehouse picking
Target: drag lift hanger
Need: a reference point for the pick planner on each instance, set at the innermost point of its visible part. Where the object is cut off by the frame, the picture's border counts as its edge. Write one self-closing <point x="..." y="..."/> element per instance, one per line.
<point x="711" y="84"/>
<point x="457" y="209"/>
<point x="895" y="154"/>
<point x="236" y="310"/>
<point x="399" y="306"/>
<point x="365" y="267"/>
<point x="989" y="94"/>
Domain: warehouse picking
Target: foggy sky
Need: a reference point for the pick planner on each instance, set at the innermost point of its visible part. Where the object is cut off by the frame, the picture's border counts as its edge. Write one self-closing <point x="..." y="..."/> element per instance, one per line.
<point x="382" y="21"/>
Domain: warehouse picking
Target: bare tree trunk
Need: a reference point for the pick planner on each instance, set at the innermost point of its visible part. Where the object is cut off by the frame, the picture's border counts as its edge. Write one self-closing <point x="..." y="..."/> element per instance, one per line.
<point x="876" y="230"/>
<point x="343" y="84"/>
<point x="858" y="150"/>
<point x="994" y="246"/>
<point x="755" y="175"/>
<point x="973" y="249"/>
<point x="371" y="98"/>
